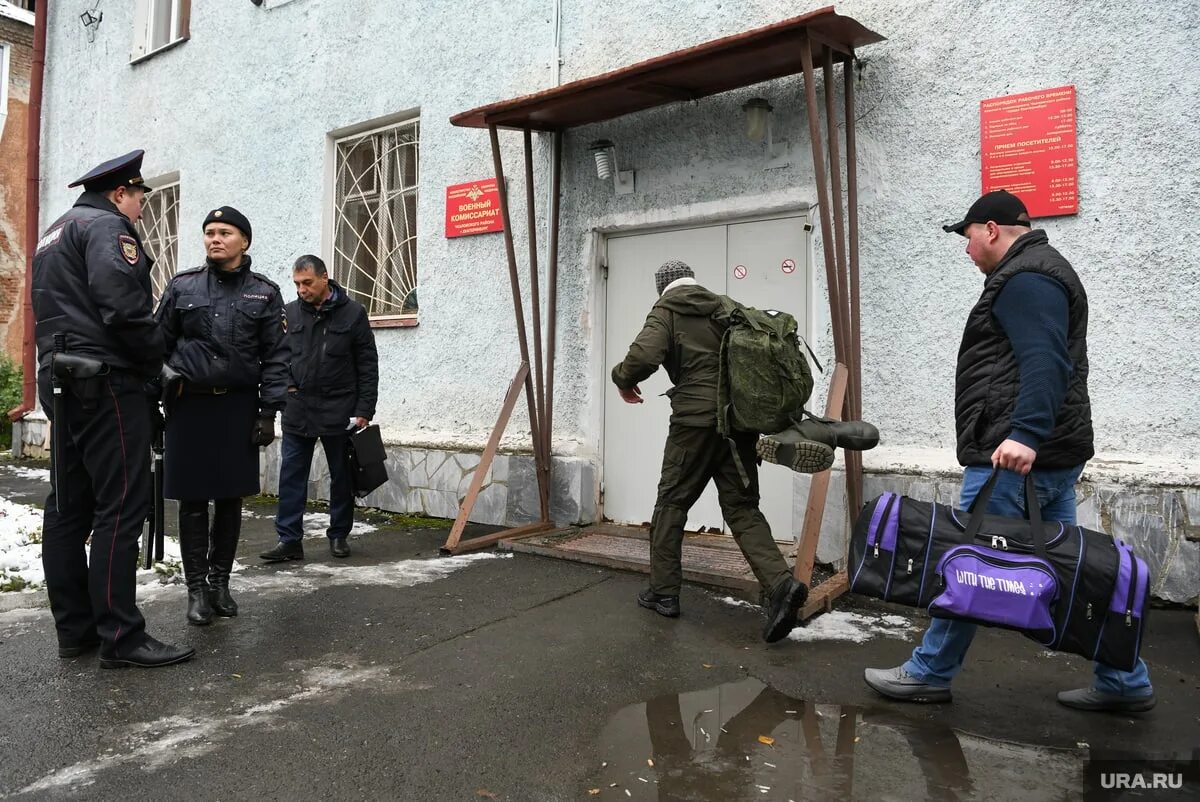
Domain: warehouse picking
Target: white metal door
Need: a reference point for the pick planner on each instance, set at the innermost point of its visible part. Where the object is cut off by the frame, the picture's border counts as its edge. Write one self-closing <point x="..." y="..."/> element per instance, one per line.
<point x="762" y="264"/>
<point x="772" y="255"/>
<point x="634" y="434"/>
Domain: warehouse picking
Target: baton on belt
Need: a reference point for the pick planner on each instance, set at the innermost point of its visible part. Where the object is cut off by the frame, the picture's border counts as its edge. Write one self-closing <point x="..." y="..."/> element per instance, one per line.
<point x="57" y="440"/>
<point x="152" y="546"/>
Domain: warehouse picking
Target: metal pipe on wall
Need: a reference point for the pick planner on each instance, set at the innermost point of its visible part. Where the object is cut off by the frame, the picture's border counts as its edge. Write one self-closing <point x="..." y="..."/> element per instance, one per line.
<point x="33" y="182"/>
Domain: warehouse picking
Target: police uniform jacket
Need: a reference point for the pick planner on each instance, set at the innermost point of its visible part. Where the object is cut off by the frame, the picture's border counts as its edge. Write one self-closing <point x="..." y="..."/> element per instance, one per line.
<point x="223" y="330"/>
<point x="91" y="282"/>
<point x="333" y="366"/>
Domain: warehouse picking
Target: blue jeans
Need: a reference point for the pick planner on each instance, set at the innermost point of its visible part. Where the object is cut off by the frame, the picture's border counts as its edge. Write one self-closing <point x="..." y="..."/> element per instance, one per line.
<point x="297" y="454"/>
<point x="940" y="656"/>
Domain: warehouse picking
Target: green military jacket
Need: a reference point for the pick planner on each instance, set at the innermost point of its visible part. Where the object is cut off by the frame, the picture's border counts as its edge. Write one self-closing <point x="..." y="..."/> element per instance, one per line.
<point x="681" y="335"/>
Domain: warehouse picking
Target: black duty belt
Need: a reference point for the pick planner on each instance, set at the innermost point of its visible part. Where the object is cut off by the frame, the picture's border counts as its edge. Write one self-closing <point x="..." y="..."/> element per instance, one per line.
<point x="198" y="389"/>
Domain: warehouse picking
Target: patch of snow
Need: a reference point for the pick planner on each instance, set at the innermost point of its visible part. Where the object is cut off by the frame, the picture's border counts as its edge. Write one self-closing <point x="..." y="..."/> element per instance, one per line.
<point x="21" y="472"/>
<point x="20" y="553"/>
<point x="21" y="549"/>
<point x="315" y="524"/>
<point x="854" y="627"/>
<point x="400" y="574"/>
<point x="156" y="744"/>
<point x="839" y="625"/>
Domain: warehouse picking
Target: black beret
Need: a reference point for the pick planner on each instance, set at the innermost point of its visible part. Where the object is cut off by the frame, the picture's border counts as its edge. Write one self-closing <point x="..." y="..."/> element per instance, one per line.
<point x="228" y="214"/>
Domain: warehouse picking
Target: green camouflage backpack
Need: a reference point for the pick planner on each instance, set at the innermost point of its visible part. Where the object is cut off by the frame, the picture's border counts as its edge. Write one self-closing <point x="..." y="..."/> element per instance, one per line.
<point x="764" y="380"/>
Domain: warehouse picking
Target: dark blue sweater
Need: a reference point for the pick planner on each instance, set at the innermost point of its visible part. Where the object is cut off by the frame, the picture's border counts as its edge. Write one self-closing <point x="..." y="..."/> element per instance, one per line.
<point x="1032" y="310"/>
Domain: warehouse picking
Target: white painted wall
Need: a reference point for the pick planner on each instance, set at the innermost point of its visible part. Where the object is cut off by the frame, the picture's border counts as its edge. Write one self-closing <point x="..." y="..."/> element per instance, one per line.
<point x="243" y="111"/>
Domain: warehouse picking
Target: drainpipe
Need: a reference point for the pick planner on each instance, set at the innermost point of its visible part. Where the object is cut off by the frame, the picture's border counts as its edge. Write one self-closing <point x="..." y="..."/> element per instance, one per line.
<point x="32" y="209"/>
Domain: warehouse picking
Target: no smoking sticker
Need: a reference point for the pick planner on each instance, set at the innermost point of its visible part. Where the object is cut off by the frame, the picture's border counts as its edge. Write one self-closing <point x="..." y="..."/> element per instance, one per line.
<point x="739" y="271"/>
<point x="788" y="266"/>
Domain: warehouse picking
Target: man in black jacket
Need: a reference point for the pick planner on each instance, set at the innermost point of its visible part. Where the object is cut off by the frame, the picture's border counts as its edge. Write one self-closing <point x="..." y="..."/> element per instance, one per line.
<point x="334" y="381"/>
<point x="98" y="345"/>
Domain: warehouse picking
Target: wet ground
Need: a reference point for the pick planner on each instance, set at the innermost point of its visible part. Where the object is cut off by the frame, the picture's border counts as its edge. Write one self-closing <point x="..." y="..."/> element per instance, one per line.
<point x="397" y="674"/>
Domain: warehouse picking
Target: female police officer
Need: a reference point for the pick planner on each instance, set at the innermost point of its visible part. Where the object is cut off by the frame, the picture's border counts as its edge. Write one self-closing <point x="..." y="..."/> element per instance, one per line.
<point x="223" y="325"/>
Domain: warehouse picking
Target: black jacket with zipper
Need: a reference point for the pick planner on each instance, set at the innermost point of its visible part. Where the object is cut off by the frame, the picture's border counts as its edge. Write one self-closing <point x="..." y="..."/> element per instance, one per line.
<point x="91" y="282"/>
<point x="224" y="328"/>
<point x="333" y="365"/>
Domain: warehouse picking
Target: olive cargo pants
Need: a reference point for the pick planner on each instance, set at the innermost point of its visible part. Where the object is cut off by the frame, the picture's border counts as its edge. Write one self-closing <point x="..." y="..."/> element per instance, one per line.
<point x="693" y="455"/>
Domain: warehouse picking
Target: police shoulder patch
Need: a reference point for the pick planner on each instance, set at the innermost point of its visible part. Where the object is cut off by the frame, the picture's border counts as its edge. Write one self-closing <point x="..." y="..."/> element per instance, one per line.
<point x="129" y="248"/>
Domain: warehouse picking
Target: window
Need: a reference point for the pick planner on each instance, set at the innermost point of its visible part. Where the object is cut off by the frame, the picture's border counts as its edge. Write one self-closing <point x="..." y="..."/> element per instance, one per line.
<point x="375" y="218"/>
<point x="158" y="24"/>
<point x="159" y="230"/>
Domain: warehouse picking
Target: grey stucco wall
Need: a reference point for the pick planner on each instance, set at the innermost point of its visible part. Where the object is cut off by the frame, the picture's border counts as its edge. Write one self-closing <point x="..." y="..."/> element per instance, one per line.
<point x="243" y="112"/>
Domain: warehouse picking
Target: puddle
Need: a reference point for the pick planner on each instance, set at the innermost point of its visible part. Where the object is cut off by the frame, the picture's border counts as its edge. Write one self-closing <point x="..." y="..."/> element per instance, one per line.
<point x="747" y="741"/>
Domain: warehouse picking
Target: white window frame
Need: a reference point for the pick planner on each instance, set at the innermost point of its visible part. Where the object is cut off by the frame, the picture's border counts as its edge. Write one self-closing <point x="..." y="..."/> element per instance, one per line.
<point x="144" y="20"/>
<point x="401" y="279"/>
<point x="166" y="265"/>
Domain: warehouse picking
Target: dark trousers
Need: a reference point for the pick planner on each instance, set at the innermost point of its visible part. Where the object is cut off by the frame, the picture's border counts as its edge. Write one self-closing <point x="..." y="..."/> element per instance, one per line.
<point x="100" y="463"/>
<point x="692" y="456"/>
<point x="296" y="460"/>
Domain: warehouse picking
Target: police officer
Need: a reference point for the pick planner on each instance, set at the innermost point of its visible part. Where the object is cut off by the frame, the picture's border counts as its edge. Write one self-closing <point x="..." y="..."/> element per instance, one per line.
<point x="224" y="325"/>
<point x="98" y="344"/>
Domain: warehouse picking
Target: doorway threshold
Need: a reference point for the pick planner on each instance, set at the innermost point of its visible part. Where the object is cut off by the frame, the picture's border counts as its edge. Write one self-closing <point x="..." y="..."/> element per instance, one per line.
<point x="712" y="561"/>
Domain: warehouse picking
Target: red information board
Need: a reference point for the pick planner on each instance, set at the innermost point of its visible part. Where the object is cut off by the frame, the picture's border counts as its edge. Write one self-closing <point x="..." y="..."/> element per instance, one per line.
<point x="473" y="208"/>
<point x="1027" y="146"/>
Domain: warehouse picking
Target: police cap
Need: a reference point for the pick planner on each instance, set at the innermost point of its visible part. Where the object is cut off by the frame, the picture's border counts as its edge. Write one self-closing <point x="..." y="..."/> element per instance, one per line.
<point x="123" y="171"/>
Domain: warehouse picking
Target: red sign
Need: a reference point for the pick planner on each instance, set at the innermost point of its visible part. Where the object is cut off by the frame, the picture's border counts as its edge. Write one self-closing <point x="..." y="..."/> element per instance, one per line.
<point x="473" y="208"/>
<point x="788" y="266"/>
<point x="1027" y="146"/>
<point x="739" y="271"/>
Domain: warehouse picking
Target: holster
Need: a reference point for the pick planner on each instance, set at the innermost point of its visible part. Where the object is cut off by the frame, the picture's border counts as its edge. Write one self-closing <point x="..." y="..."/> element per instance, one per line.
<point x="80" y="374"/>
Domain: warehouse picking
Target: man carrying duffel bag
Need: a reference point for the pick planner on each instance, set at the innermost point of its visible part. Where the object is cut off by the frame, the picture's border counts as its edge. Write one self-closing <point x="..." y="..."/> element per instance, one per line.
<point x="1021" y="404"/>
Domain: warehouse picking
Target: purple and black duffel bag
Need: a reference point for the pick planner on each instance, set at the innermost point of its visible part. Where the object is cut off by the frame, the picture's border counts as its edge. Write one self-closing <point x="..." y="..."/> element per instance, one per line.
<point x="1068" y="588"/>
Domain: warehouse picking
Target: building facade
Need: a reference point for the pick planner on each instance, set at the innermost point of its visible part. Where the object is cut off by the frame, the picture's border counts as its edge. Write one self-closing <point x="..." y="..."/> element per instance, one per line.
<point x="326" y="122"/>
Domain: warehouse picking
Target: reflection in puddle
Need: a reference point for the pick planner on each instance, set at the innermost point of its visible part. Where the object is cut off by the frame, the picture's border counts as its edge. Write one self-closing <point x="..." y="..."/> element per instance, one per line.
<point x="746" y="741"/>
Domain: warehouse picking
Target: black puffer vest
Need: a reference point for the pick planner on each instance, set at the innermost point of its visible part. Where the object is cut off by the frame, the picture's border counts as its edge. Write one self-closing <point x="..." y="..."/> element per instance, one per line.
<point x="988" y="379"/>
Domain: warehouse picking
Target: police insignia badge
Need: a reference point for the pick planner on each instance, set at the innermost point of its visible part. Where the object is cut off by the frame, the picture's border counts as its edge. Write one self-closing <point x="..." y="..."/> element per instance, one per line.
<point x="129" y="248"/>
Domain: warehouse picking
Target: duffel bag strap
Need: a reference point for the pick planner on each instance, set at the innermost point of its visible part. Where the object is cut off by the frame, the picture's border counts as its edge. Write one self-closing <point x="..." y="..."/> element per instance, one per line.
<point x="1033" y="513"/>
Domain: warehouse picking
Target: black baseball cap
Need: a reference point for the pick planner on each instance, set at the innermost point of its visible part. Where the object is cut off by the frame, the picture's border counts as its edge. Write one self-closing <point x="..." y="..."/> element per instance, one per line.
<point x="999" y="206"/>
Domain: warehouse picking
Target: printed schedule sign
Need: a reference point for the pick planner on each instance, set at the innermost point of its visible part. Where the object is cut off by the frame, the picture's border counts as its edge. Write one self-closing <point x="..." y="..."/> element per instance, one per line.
<point x="1027" y="146"/>
<point x="473" y="208"/>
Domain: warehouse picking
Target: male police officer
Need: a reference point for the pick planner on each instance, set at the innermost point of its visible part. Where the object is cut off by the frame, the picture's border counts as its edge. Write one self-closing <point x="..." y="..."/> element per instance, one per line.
<point x="98" y="345"/>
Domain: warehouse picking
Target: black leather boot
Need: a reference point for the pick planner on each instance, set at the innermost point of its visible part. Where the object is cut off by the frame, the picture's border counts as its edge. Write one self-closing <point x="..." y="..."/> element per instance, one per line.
<point x="226" y="529"/>
<point x="193" y="545"/>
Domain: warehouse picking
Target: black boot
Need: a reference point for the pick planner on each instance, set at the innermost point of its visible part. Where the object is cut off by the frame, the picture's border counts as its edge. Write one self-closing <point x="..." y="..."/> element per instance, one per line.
<point x="226" y="529"/>
<point x="193" y="545"/>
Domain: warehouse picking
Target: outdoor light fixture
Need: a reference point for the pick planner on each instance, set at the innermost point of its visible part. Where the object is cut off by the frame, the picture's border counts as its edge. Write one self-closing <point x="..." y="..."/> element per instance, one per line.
<point x="758" y="118"/>
<point x="605" y="154"/>
<point x="759" y="114"/>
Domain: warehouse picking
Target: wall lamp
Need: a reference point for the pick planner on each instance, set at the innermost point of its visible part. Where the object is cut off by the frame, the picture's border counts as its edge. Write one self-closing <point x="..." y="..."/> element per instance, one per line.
<point x="605" y="154"/>
<point x="759" y="114"/>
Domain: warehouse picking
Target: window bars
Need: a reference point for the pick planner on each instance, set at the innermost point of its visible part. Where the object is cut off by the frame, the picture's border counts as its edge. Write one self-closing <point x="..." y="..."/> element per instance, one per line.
<point x="375" y="218"/>
<point x="159" y="230"/>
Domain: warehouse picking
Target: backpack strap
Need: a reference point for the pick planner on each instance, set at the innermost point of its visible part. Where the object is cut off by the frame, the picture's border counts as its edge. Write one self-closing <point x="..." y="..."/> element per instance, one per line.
<point x="737" y="461"/>
<point x="816" y="361"/>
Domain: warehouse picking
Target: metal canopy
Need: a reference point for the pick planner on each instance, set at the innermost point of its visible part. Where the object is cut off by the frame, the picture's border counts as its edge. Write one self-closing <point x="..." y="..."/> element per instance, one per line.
<point x="817" y="41"/>
<point x="762" y="54"/>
